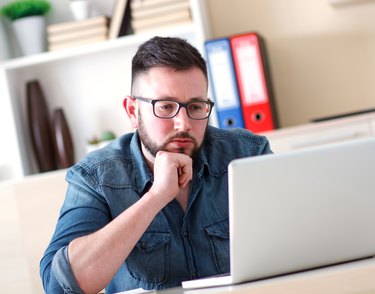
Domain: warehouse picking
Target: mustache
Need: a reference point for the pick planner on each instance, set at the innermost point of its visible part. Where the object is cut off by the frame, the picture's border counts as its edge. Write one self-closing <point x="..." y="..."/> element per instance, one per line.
<point x="182" y="135"/>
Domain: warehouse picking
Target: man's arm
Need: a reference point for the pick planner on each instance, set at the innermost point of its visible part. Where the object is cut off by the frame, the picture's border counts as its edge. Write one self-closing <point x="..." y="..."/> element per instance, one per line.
<point x="95" y="258"/>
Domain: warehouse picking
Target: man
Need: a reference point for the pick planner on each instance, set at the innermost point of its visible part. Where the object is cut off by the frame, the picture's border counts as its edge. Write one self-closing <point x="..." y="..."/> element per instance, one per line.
<point x="150" y="210"/>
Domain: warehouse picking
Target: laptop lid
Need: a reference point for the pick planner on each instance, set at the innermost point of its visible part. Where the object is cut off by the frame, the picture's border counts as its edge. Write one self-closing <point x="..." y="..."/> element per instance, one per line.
<point x="301" y="210"/>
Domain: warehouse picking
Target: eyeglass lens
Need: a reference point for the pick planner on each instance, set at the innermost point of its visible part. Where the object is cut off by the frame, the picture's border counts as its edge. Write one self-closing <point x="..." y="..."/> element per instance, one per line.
<point x="195" y="110"/>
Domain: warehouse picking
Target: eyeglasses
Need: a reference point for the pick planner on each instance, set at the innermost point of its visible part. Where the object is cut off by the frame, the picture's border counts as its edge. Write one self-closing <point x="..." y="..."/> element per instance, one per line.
<point x="166" y="108"/>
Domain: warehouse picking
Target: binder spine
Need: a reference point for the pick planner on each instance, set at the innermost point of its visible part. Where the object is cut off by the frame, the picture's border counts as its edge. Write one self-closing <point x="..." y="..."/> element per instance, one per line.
<point x="223" y="83"/>
<point x="254" y="86"/>
<point x="268" y="80"/>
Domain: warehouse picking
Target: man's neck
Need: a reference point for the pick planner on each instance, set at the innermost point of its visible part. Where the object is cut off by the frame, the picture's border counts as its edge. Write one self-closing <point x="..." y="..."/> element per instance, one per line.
<point x="150" y="159"/>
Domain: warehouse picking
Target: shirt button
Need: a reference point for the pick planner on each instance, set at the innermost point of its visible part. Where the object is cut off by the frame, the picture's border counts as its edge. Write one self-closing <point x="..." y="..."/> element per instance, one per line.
<point x="194" y="275"/>
<point x="143" y="245"/>
<point x="185" y="234"/>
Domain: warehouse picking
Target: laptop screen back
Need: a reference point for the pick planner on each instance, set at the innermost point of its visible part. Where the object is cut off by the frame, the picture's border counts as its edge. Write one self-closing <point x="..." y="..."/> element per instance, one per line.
<point x="301" y="210"/>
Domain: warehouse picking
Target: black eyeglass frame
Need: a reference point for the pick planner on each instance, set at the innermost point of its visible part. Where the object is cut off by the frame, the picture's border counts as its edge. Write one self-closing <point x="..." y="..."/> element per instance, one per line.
<point x="184" y="105"/>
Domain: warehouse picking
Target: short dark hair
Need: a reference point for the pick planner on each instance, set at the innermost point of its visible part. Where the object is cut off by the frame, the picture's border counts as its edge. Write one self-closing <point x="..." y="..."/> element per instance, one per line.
<point x="169" y="52"/>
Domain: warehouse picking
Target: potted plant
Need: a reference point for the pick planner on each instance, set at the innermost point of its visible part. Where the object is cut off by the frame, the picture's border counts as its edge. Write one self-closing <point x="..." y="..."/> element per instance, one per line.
<point x="96" y="143"/>
<point x="28" y="22"/>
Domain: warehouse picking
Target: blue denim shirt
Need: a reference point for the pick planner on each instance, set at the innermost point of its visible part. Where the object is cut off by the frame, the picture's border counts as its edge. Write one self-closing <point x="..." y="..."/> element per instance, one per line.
<point x="177" y="245"/>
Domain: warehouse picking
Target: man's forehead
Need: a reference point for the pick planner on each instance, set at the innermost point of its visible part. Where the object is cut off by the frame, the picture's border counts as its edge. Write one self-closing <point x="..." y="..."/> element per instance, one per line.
<point x="162" y="74"/>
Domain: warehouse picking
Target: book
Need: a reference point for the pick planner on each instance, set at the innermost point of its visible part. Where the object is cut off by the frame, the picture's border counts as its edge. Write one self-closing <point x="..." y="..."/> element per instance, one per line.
<point x="78" y="42"/>
<point x="162" y="26"/>
<point x="145" y="4"/>
<point x="78" y="34"/>
<point x="76" y="25"/>
<point x="120" y="21"/>
<point x="160" y="10"/>
<point x="167" y="18"/>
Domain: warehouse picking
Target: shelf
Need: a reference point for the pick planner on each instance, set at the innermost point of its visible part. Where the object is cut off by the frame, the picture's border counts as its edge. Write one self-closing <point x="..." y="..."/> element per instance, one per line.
<point x="100" y="47"/>
<point x="319" y="133"/>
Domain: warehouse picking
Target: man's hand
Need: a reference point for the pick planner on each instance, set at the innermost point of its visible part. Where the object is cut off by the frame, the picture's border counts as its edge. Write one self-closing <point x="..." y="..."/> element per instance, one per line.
<point x="172" y="172"/>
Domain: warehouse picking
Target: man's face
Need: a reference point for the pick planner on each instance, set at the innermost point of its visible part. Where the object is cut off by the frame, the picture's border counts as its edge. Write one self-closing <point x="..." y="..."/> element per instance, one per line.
<point x="180" y="133"/>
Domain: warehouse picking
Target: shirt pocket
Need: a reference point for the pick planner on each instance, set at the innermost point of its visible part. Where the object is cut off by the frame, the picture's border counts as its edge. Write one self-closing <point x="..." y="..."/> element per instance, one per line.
<point x="149" y="260"/>
<point x="218" y="235"/>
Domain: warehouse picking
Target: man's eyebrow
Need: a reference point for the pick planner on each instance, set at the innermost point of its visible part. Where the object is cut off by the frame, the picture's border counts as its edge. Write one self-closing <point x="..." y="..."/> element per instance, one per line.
<point x="198" y="99"/>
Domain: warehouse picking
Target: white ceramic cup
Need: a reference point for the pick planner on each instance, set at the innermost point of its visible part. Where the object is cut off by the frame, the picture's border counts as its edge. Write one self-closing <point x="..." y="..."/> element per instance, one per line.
<point x="79" y="8"/>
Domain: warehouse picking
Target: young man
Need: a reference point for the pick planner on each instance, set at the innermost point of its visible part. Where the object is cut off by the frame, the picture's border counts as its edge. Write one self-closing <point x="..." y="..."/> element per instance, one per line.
<point x="150" y="210"/>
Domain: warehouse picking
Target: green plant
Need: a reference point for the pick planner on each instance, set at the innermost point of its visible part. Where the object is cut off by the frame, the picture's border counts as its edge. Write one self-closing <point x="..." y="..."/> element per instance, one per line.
<point x="105" y="136"/>
<point x="23" y="8"/>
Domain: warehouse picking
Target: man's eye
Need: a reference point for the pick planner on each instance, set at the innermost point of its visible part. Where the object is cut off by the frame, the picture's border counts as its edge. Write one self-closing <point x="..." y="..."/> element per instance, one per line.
<point x="196" y="106"/>
<point x="166" y="106"/>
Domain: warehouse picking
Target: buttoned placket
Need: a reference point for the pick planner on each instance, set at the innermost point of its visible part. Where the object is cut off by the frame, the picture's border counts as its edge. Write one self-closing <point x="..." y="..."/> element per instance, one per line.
<point x="194" y="273"/>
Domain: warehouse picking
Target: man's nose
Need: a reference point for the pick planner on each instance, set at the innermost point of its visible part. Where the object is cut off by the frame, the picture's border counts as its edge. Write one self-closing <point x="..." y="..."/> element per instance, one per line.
<point x="182" y="120"/>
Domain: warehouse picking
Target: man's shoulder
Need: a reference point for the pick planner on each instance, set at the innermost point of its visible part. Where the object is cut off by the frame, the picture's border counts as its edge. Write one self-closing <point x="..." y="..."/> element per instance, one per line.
<point x="118" y="149"/>
<point x="113" y="159"/>
<point x="236" y="135"/>
<point x="222" y="146"/>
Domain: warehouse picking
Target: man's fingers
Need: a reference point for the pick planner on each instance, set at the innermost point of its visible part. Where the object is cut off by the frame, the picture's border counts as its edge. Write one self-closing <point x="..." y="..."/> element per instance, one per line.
<point x="185" y="170"/>
<point x="184" y="178"/>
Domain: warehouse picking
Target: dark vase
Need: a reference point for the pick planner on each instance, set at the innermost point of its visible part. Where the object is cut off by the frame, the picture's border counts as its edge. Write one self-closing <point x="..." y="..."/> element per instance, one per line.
<point x="39" y="127"/>
<point x="62" y="139"/>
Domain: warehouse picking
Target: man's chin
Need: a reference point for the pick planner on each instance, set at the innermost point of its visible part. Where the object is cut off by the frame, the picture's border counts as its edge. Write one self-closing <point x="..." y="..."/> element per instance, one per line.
<point x="187" y="151"/>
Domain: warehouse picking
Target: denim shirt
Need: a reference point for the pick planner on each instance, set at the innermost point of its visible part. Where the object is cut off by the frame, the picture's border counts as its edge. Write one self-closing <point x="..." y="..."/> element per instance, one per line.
<point x="177" y="245"/>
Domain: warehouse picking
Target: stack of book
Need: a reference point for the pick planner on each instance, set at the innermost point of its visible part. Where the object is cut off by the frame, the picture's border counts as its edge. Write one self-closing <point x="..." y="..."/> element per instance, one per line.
<point x="76" y="33"/>
<point x="157" y="14"/>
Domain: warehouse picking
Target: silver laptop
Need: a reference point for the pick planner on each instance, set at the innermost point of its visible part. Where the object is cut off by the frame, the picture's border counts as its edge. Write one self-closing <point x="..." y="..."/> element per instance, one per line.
<point x="300" y="210"/>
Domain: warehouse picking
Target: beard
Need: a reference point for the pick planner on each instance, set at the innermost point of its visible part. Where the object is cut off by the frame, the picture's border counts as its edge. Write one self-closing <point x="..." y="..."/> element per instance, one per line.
<point x="152" y="147"/>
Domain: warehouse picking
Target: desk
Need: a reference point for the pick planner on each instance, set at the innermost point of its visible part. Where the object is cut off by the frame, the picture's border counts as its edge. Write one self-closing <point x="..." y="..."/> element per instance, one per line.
<point x="350" y="278"/>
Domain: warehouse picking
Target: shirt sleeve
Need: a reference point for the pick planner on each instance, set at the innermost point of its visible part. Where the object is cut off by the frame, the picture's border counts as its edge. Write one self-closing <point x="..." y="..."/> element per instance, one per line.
<point x="64" y="276"/>
<point x="266" y="147"/>
<point x="84" y="211"/>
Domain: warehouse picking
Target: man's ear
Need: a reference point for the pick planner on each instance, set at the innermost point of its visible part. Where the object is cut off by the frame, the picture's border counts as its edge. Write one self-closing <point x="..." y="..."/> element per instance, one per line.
<point x="131" y="109"/>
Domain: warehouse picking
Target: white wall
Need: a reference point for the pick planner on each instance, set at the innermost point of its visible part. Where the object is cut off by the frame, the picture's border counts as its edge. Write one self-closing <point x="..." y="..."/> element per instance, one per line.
<point x="322" y="57"/>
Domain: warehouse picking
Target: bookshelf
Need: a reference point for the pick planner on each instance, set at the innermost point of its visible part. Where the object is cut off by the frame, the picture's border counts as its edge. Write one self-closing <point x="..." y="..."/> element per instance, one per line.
<point x="88" y="82"/>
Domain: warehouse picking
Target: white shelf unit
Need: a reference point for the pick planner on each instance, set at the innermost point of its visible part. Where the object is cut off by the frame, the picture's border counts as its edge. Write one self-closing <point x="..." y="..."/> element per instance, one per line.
<point x="321" y="133"/>
<point x="88" y="82"/>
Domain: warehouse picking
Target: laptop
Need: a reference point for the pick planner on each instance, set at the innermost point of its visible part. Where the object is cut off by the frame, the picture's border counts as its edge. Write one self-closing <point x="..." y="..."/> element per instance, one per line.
<point x="299" y="210"/>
